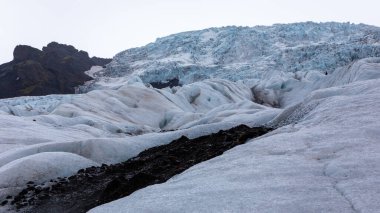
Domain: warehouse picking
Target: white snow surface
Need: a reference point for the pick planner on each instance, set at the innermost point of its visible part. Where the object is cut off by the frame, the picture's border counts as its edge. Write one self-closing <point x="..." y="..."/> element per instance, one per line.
<point x="323" y="156"/>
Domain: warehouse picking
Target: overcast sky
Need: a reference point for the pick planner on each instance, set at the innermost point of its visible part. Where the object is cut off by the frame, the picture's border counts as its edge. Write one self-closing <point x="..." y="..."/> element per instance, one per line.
<point x="106" y="27"/>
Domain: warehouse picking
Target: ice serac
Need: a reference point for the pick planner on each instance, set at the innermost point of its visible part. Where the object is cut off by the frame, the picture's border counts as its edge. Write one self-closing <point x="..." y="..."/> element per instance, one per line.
<point x="236" y="53"/>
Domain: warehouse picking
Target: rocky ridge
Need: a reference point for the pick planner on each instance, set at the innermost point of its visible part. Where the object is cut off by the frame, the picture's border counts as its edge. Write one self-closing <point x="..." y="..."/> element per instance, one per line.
<point x="56" y="69"/>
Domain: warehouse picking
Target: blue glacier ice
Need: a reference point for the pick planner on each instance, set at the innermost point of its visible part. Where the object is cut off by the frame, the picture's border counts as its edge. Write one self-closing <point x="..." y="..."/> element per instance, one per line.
<point x="236" y="53"/>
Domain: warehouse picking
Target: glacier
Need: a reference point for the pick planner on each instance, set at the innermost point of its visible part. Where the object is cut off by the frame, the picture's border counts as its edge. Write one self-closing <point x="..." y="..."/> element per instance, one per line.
<point x="110" y="126"/>
<point x="327" y="162"/>
<point x="324" y="157"/>
<point x="317" y="84"/>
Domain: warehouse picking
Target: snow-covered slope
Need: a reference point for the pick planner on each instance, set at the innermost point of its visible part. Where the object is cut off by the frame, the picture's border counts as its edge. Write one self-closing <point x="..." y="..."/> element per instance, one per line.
<point x="236" y="53"/>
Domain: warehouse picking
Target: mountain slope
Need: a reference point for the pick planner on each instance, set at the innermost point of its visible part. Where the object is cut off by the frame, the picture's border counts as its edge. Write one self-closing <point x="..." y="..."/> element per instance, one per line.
<point x="57" y="69"/>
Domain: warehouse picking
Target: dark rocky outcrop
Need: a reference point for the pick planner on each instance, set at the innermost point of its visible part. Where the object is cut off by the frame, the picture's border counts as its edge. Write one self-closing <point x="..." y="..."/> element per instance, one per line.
<point x="57" y="69"/>
<point x="98" y="185"/>
<point x="170" y="83"/>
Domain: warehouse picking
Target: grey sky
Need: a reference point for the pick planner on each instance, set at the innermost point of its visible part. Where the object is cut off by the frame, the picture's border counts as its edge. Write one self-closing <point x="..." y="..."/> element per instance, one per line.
<point x="106" y="27"/>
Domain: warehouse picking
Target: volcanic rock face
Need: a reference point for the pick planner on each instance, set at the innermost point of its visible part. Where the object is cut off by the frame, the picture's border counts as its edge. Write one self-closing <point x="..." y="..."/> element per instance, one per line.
<point x="57" y="69"/>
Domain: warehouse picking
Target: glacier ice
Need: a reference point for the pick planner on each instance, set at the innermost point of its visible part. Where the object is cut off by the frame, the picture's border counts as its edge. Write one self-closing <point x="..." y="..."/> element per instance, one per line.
<point x="39" y="168"/>
<point x="325" y="159"/>
<point x="236" y="53"/>
<point x="110" y="126"/>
